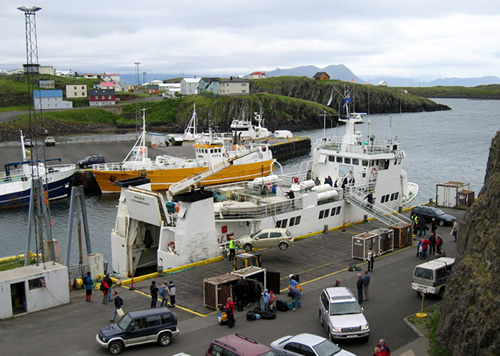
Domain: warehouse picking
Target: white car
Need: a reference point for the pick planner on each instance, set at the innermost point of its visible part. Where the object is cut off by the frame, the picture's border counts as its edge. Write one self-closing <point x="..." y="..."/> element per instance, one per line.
<point x="341" y="315"/>
<point x="274" y="237"/>
<point x="307" y="344"/>
<point x="49" y="141"/>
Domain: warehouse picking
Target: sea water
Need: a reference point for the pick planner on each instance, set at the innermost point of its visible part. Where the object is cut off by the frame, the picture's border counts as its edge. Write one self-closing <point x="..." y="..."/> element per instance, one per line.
<point x="440" y="147"/>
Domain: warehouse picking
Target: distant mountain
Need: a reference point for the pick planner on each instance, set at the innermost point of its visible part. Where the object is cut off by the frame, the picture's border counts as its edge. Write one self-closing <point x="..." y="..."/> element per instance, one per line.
<point x="463" y="82"/>
<point x="339" y="71"/>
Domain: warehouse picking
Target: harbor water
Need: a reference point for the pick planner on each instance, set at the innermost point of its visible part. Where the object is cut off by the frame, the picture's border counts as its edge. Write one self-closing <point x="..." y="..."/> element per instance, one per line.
<point x="440" y="146"/>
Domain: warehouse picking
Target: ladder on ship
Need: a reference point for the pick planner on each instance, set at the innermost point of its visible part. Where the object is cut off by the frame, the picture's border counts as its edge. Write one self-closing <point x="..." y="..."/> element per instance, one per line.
<point x="379" y="211"/>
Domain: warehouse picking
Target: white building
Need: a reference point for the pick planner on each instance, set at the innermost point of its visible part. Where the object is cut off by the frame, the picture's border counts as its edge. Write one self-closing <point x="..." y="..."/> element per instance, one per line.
<point x="33" y="288"/>
<point x="76" y="90"/>
<point x="190" y="86"/>
<point x="47" y="70"/>
<point x="170" y="89"/>
<point x="234" y="86"/>
<point x="50" y="100"/>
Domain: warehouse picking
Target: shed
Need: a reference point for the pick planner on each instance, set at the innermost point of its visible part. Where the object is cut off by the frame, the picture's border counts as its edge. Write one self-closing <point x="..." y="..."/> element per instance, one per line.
<point x="156" y="139"/>
<point x="321" y="76"/>
<point x="33" y="288"/>
<point x="452" y="194"/>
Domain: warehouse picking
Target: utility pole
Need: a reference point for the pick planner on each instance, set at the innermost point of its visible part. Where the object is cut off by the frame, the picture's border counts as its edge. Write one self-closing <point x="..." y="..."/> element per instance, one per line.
<point x="137" y="86"/>
<point x="39" y="217"/>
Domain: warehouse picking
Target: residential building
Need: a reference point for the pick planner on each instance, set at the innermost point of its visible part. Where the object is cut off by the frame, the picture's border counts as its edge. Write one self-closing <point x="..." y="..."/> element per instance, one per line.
<point x="76" y="91"/>
<point x="210" y="85"/>
<point x="47" y="70"/>
<point x="47" y="84"/>
<point x="170" y="89"/>
<point x="257" y="75"/>
<point x="107" y="85"/>
<point x="90" y="76"/>
<point x="110" y="77"/>
<point x="50" y="99"/>
<point x="190" y="86"/>
<point x="321" y="76"/>
<point x="152" y="89"/>
<point x="65" y="73"/>
<point x="382" y="83"/>
<point x="101" y="97"/>
<point x="234" y="86"/>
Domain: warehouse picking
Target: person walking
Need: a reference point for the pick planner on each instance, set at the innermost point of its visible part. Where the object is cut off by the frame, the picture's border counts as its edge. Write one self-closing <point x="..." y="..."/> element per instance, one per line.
<point x="154" y="294"/>
<point x="366" y="285"/>
<point x="359" y="285"/>
<point x="171" y="293"/>
<point x="109" y="281"/>
<point x="369" y="198"/>
<point x="454" y="229"/>
<point x="371" y="259"/>
<point x="434" y="226"/>
<point x="118" y="305"/>
<point x="89" y="286"/>
<point x="423" y="227"/>
<point x="164" y="294"/>
<point x="425" y="247"/>
<point x="105" y="289"/>
<point x="230" y="312"/>
<point x="232" y="248"/>
<point x="419" y="247"/>
<point x="258" y="293"/>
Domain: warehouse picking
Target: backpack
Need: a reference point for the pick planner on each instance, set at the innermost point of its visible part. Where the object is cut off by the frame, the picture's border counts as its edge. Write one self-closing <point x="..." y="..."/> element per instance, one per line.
<point x="298" y="286"/>
<point x="101" y="287"/>
<point x="251" y="315"/>
<point x="268" y="315"/>
<point x="162" y="291"/>
<point x="281" y="305"/>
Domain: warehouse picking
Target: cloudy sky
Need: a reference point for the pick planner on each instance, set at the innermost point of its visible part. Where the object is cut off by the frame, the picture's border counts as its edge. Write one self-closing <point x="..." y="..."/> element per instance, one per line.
<point x="420" y="39"/>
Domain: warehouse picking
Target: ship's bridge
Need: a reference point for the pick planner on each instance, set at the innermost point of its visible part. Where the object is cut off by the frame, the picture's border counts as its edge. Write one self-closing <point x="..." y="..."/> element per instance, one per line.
<point x="359" y="147"/>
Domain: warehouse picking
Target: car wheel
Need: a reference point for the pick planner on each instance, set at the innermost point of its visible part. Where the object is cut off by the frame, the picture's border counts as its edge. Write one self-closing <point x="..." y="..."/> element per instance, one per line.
<point x="164" y="339"/>
<point x="283" y="246"/>
<point x="115" y="347"/>
<point x="441" y="222"/>
<point x="247" y="247"/>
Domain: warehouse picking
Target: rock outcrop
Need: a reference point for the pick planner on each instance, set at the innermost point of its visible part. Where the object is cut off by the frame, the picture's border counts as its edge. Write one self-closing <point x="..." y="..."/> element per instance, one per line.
<point x="470" y="313"/>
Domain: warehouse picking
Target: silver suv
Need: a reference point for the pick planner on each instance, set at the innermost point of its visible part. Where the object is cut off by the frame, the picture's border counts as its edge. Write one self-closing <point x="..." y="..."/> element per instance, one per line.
<point x="341" y="315"/>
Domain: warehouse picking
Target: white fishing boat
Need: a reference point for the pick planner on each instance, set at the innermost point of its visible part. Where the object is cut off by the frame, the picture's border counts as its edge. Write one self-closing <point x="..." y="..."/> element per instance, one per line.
<point x="16" y="181"/>
<point x="191" y="131"/>
<point x="245" y="130"/>
<point x="166" y="170"/>
<point x="202" y="220"/>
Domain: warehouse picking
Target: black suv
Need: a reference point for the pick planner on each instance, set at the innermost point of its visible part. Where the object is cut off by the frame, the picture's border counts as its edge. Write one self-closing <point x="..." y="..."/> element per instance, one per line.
<point x="90" y="160"/>
<point x="139" y="327"/>
<point x="429" y="213"/>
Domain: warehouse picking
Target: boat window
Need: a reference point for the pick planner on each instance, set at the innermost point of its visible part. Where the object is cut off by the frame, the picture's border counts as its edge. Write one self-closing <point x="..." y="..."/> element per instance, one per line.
<point x="297" y="220"/>
<point x="355" y="161"/>
<point x="321" y="213"/>
<point x="322" y="159"/>
<point x="331" y="158"/>
<point x="392" y="196"/>
<point x="292" y="221"/>
<point x="364" y="162"/>
<point x="327" y="212"/>
<point x="386" y="164"/>
<point x="396" y="196"/>
<point x="339" y="159"/>
<point x="278" y="223"/>
<point x="283" y="223"/>
<point x="338" y="210"/>
<point x="347" y="160"/>
<point x="333" y="211"/>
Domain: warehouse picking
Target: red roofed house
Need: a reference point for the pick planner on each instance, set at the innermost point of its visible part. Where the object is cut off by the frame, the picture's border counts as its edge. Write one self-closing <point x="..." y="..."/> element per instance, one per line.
<point x="257" y="75"/>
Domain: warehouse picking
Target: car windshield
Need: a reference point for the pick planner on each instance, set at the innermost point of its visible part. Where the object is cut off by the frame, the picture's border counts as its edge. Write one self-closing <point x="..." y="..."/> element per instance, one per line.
<point x="438" y="211"/>
<point x="255" y="233"/>
<point x="326" y="348"/>
<point x="124" y="322"/>
<point x="344" y="308"/>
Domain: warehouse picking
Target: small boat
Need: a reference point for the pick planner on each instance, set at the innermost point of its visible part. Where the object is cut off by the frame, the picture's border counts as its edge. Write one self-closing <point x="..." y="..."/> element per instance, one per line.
<point x="16" y="181"/>
<point x="245" y="130"/>
<point x="190" y="133"/>
<point x="165" y="170"/>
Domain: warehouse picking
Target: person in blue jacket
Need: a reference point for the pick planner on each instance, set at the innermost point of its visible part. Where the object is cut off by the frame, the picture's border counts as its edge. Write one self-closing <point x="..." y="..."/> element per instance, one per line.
<point x="89" y="285"/>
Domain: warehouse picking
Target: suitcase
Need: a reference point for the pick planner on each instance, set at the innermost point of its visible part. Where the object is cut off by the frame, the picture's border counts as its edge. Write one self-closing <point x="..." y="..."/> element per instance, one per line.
<point x="268" y="315"/>
<point x="281" y="305"/>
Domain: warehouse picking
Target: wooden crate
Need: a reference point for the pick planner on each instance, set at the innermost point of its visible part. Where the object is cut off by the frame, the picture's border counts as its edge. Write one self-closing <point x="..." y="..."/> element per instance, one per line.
<point x="403" y="235"/>
<point x="361" y="244"/>
<point x="217" y="289"/>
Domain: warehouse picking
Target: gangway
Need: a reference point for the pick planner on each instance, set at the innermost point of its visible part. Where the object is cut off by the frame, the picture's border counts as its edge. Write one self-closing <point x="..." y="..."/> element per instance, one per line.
<point x="378" y="210"/>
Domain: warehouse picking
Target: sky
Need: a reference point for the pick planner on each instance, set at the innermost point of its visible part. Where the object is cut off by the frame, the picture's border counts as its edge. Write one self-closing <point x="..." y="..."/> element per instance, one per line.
<point x="420" y="39"/>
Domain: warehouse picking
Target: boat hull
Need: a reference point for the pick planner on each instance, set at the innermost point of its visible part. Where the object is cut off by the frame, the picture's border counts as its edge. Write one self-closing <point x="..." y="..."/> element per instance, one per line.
<point x="20" y="195"/>
<point x="161" y="179"/>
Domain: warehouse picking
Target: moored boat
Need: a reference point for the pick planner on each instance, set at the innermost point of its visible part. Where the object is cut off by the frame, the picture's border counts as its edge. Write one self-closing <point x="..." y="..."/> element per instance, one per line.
<point x="166" y="170"/>
<point x="17" y="180"/>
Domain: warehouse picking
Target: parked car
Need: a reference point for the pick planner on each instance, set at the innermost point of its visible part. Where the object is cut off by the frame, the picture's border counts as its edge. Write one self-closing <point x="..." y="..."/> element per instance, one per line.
<point x="307" y="344"/>
<point x="139" y="327"/>
<point x="28" y="142"/>
<point x="430" y="212"/>
<point x="49" y="141"/>
<point x="237" y="345"/>
<point x="90" y="160"/>
<point x="431" y="277"/>
<point x="341" y="315"/>
<point x="274" y="237"/>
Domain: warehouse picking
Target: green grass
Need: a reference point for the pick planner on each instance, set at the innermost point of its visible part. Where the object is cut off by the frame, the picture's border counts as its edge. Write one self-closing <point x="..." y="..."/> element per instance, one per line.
<point x="14" y="108"/>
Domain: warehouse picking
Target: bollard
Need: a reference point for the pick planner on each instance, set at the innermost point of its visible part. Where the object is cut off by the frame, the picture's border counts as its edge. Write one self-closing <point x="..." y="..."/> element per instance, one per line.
<point x="422" y="315"/>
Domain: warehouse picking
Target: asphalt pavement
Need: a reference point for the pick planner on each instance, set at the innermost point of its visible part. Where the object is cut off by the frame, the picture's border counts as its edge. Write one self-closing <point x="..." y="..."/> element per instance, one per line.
<point x="70" y="329"/>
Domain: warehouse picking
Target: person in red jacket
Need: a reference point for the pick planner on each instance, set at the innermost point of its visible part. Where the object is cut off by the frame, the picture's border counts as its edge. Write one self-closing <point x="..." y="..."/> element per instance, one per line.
<point x="230" y="312"/>
<point x="384" y="348"/>
<point x="425" y="247"/>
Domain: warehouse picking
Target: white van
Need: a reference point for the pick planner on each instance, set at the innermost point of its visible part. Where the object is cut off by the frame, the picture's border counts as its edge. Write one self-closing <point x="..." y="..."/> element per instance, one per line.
<point x="430" y="277"/>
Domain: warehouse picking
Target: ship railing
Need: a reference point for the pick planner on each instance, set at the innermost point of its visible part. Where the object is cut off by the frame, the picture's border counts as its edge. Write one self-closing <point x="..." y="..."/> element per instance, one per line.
<point x="335" y="144"/>
<point x="108" y="166"/>
<point x="260" y="211"/>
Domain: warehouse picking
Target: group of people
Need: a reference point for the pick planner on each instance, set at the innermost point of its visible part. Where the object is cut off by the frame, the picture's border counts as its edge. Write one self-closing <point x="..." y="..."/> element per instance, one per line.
<point x="430" y="246"/>
<point x="363" y="286"/>
<point x="108" y="295"/>
<point x="166" y="291"/>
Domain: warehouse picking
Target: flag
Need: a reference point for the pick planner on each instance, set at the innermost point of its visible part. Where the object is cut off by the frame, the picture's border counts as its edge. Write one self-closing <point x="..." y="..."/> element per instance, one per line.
<point x="347" y="100"/>
<point x="330" y="100"/>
